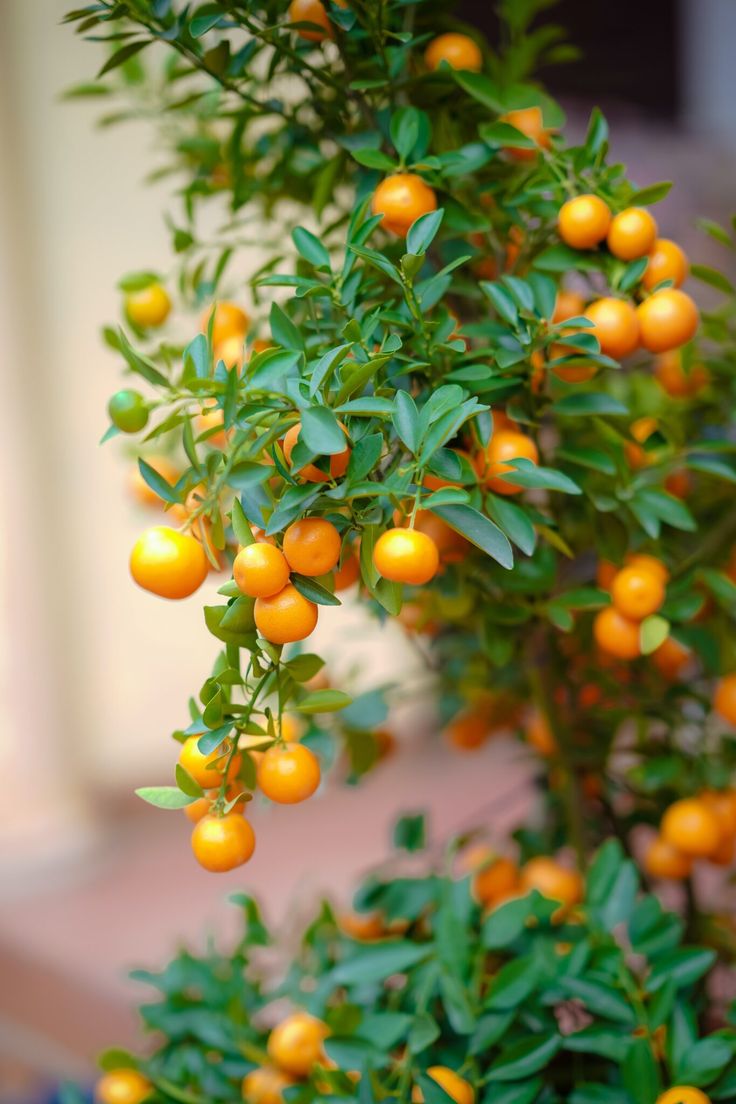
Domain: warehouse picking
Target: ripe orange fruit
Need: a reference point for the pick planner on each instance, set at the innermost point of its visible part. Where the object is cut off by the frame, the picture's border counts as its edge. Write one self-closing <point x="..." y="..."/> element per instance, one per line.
<point x="168" y="563"/>
<point x="406" y="556"/>
<point x="667" y="319"/>
<point x="571" y="373"/>
<point x="724" y="701"/>
<point x="230" y="321"/>
<point x="616" y="325"/>
<point x="666" y="262"/>
<point x="296" y="1044"/>
<point x="583" y="222"/>
<point x="672" y="378"/>
<point x="458" y="50"/>
<point x="338" y="460"/>
<point x="265" y="1086"/>
<point x="207" y="769"/>
<point x="221" y="843"/>
<point x="313" y="11"/>
<point x="530" y="121"/>
<point x="679" y="483"/>
<point x="539" y="734"/>
<point x="690" y="826"/>
<point x="495" y="880"/>
<point x="348" y="572"/>
<point x="401" y="199"/>
<point x="312" y="546"/>
<point x="643" y="559"/>
<point x="122" y="1086"/>
<point x="670" y="658"/>
<point x="632" y="234"/>
<point x="231" y="351"/>
<point x="260" y="570"/>
<point x="140" y="490"/>
<point x="492" y="464"/>
<point x="616" y="635"/>
<point x="552" y="880"/>
<point x="288" y="773"/>
<point x="468" y="731"/>
<point x="723" y="804"/>
<point x="662" y="860"/>
<point x="285" y="617"/>
<point x="198" y="808"/>
<point x="148" y="307"/>
<point x="568" y="304"/>
<point x="605" y="574"/>
<point x="365" y="927"/>
<point x="455" y="1086"/>
<point x="683" y="1094"/>
<point x="637" y="592"/>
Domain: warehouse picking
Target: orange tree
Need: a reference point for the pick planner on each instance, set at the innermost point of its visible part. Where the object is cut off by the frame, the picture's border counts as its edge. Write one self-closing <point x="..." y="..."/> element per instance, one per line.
<point x="478" y="396"/>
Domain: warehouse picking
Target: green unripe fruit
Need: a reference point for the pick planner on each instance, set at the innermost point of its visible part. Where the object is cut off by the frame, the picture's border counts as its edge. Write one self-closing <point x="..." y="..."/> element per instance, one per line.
<point x="128" y="411"/>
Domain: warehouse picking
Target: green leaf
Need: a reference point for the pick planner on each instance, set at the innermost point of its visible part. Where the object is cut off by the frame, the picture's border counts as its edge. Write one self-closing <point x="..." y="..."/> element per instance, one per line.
<point x="591" y="458"/>
<point x="284" y="331"/>
<point x="423" y="230"/>
<point x="683" y="966"/>
<point x="523" y="1058"/>
<point x="640" y="1072"/>
<point x="522" y="1092"/>
<point x="713" y="278"/>
<point x="310" y="247"/>
<point x="324" y="701"/>
<point x="479" y="530"/>
<point x="125" y="53"/>
<point x="157" y="482"/>
<point x="600" y="999"/>
<point x="321" y="432"/>
<point x="374" y="159"/>
<point x="653" y="631"/>
<point x="165" y="797"/>
<point x="422" y="1033"/>
<point x="406" y="420"/>
<point x="364" y="457"/>
<point x="375" y="963"/>
<point x="561" y="258"/>
<point x="404" y="129"/>
<point x="481" y="88"/>
<point x="672" y="511"/>
<point x="704" y="1061"/>
<point x="186" y="783"/>
<point x="410" y="833"/>
<point x="314" y="591"/>
<point x="513" y="984"/>
<point x="645" y="197"/>
<point x="527" y="474"/>
<point x="514" y="521"/>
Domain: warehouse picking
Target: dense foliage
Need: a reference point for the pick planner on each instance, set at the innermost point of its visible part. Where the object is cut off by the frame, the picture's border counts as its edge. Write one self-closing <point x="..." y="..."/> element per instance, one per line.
<point x="479" y="396"/>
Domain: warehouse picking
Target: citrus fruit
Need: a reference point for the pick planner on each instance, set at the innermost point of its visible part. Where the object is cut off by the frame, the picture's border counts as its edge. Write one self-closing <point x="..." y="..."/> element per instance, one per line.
<point x="530" y="121"/>
<point x="662" y="860"/>
<point x="207" y="770"/>
<point x="128" y="411"/>
<point x="493" y="464"/>
<point x="230" y="321"/>
<point x="552" y="880"/>
<point x="312" y="546"/>
<point x="406" y="556"/>
<point x="285" y="617"/>
<point x="168" y="563"/>
<point x="632" y="234"/>
<point x="221" y="843"/>
<point x="616" y="635"/>
<point x="149" y="307"/>
<point x="637" y="592"/>
<point x="616" y="326"/>
<point x="401" y="199"/>
<point x="122" y="1086"/>
<point x="260" y="570"/>
<point x="583" y="221"/>
<point x="288" y="773"/>
<point x="691" y="826"/>
<point x="667" y="319"/>
<point x="458" y="50"/>
<point x="296" y="1044"/>
<point x="724" y="701"/>
<point x="265" y="1086"/>
<point x="666" y="262"/>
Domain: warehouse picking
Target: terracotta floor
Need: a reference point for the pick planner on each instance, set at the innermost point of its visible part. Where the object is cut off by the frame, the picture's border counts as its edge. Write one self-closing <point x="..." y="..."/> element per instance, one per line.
<point x="66" y="944"/>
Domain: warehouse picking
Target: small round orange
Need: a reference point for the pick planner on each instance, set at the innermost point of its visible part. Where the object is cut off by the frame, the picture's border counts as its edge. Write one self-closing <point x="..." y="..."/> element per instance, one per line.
<point x="458" y="50"/>
<point x="338" y="461"/>
<point x="605" y="574"/>
<point x="683" y="1094"/>
<point x="229" y="321"/>
<point x="552" y="880"/>
<point x="401" y="199"/>
<point x="313" y="11"/>
<point x="632" y="234"/>
<point x="616" y="635"/>
<point x="468" y="730"/>
<point x="637" y="592"/>
<point x="312" y="546"/>
<point x="122" y="1086"/>
<point x="347" y="573"/>
<point x="221" y="843"/>
<point x="265" y="1086"/>
<point x="198" y="808"/>
<point x="662" y="860"/>
<point x="644" y="559"/>
<point x="670" y="658"/>
<point x="493" y="464"/>
<point x="671" y="376"/>
<point x="456" y="1087"/>
<point x="616" y="325"/>
<point x="530" y="121"/>
<point x="288" y="773"/>
<point x="724" y="700"/>
<point x="723" y="805"/>
<point x="539" y="734"/>
<point x="666" y="262"/>
<point x="296" y="1044"/>
<point x="667" y="319"/>
<point x="679" y="483"/>
<point x="406" y="556"/>
<point x="260" y="570"/>
<point x="149" y="307"/>
<point x="568" y="304"/>
<point x="691" y="826"/>
<point x="285" y="617"/>
<point x="495" y="880"/>
<point x="168" y="563"/>
<point x="583" y="221"/>
<point x="207" y="770"/>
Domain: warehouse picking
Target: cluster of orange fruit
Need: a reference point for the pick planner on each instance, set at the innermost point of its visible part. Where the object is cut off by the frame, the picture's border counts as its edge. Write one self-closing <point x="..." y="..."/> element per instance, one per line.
<point x="497" y="879"/>
<point x="638" y="590"/>
<point x="287" y="773"/>
<point x="699" y="827"/>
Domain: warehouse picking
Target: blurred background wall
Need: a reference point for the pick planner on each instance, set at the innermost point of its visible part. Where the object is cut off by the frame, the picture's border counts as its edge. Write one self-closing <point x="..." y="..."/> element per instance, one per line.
<point x="93" y="672"/>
